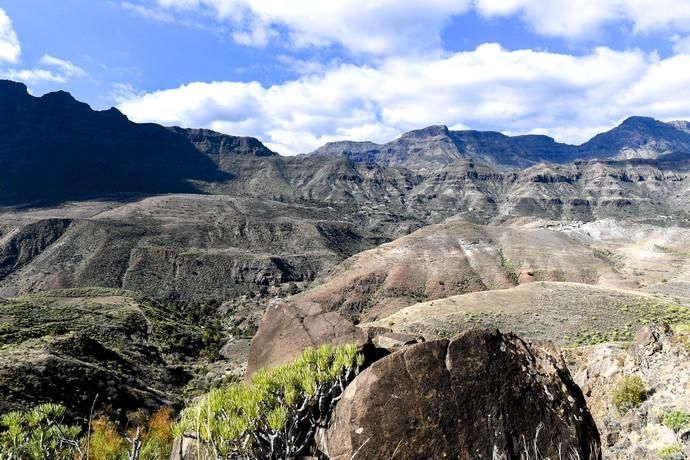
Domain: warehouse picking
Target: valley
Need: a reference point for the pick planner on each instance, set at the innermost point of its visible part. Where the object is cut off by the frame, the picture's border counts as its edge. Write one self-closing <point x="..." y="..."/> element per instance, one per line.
<point x="185" y="260"/>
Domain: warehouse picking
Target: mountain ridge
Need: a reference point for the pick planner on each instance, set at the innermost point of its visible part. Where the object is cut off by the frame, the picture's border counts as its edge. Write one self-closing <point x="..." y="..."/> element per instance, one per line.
<point x="635" y="137"/>
<point x="55" y="149"/>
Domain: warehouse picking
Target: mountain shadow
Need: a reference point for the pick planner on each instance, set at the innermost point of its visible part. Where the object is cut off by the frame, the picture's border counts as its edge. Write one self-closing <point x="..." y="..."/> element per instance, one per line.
<point x="54" y="148"/>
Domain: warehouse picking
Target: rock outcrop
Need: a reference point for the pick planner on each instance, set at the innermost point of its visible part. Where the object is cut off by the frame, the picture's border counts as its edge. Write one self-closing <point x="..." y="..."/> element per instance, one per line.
<point x="188" y="448"/>
<point x="660" y="357"/>
<point x="286" y="331"/>
<point x="482" y="395"/>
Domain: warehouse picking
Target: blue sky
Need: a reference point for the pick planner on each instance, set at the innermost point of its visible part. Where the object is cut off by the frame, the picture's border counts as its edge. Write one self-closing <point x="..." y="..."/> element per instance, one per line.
<point x="298" y="74"/>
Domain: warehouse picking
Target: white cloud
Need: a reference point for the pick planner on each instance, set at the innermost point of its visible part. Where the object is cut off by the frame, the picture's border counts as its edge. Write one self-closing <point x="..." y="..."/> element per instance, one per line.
<point x="568" y="97"/>
<point x="65" y="67"/>
<point x="149" y="13"/>
<point x="581" y="18"/>
<point x="32" y="76"/>
<point x="385" y="27"/>
<point x="681" y="45"/>
<point x="9" y="43"/>
<point x="51" y="69"/>
<point x="372" y="26"/>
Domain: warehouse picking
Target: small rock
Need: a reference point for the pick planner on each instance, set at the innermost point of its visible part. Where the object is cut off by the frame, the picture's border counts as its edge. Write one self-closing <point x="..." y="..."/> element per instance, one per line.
<point x="188" y="448"/>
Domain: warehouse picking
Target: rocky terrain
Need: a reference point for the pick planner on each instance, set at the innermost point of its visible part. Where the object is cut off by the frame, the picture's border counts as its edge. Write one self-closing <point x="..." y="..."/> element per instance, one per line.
<point x="190" y="247"/>
<point x="147" y="264"/>
<point x="660" y="356"/>
<point x="76" y="346"/>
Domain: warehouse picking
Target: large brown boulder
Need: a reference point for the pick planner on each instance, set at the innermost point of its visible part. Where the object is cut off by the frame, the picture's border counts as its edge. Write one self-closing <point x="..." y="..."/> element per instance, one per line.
<point x="482" y="395"/>
<point x="286" y="330"/>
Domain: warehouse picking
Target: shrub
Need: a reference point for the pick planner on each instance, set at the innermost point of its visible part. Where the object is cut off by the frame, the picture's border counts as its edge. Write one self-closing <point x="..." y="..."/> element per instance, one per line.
<point x="158" y="437"/>
<point x="671" y="452"/>
<point x="38" y="434"/>
<point x="41" y="434"/>
<point x="104" y="442"/>
<point x="629" y="393"/>
<point x="676" y="420"/>
<point x="278" y="413"/>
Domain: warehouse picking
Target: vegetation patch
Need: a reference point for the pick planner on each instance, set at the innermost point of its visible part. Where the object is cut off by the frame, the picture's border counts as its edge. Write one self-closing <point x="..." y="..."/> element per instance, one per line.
<point x="42" y="434"/>
<point x="629" y="393"/>
<point x="676" y="420"/>
<point x="278" y="413"/>
<point x="671" y="452"/>
<point x="510" y="268"/>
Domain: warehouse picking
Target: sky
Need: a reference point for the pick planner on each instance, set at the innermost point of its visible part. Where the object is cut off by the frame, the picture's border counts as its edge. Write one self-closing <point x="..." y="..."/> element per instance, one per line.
<point x="297" y="74"/>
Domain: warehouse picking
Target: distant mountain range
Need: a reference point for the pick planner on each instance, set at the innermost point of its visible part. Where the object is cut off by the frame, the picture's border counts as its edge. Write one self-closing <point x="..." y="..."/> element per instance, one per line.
<point x="54" y="148"/>
<point x="437" y="146"/>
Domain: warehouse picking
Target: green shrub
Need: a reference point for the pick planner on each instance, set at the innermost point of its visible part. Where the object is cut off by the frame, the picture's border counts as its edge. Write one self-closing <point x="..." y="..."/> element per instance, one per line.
<point x="671" y="452"/>
<point x="41" y="434"/>
<point x="38" y="434"/>
<point x="278" y="413"/>
<point x="677" y="420"/>
<point x="629" y="393"/>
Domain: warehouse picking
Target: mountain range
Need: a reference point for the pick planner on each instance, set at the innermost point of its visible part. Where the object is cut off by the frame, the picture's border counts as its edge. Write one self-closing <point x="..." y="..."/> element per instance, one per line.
<point x="54" y="148"/>
<point x="437" y="146"/>
<point x="147" y="264"/>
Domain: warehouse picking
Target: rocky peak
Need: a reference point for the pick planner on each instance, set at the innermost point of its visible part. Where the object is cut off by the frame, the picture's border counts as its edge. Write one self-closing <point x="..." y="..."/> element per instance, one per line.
<point x="637" y="121"/>
<point x="429" y="131"/>
<point x="13" y="87"/>
<point x="637" y="137"/>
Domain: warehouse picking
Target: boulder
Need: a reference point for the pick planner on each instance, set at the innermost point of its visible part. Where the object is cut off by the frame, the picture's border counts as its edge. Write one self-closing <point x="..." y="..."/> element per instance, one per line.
<point x="482" y="395"/>
<point x="189" y="448"/>
<point x="286" y="330"/>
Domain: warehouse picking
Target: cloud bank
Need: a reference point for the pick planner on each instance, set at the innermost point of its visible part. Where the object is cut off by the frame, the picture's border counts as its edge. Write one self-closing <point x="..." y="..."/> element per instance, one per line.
<point x="405" y="26"/>
<point x="568" y="97"/>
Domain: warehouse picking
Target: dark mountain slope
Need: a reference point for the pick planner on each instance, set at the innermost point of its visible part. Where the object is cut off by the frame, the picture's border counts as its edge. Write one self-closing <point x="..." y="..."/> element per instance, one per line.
<point x="54" y="148"/>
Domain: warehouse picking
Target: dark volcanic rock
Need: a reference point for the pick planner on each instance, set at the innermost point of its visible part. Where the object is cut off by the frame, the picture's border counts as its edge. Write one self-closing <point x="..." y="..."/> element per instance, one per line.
<point x="481" y="395"/>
